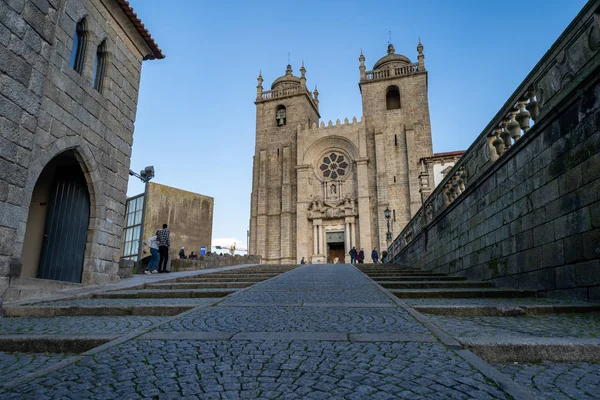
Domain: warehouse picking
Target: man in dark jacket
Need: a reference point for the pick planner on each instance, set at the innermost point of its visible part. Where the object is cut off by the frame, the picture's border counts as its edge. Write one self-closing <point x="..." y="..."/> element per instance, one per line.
<point x="163" y="236"/>
<point x="361" y="256"/>
<point x="352" y="253"/>
<point x="374" y="256"/>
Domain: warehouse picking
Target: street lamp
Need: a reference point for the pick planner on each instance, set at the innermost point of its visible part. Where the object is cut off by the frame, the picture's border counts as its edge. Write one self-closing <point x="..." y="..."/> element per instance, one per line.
<point x="145" y="175"/>
<point x="387" y="214"/>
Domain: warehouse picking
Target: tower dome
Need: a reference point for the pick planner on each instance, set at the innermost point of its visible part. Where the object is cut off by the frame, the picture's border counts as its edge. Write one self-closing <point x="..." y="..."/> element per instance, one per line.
<point x="391" y="58"/>
<point x="286" y="81"/>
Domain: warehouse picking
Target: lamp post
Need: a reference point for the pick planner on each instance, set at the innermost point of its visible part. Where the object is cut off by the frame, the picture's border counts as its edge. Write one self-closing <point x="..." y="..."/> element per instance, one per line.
<point x="387" y="214"/>
<point x="145" y="175"/>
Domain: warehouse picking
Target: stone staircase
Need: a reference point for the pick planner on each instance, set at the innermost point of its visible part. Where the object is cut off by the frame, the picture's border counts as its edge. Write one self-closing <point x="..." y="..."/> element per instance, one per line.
<point x="85" y="319"/>
<point x="500" y="325"/>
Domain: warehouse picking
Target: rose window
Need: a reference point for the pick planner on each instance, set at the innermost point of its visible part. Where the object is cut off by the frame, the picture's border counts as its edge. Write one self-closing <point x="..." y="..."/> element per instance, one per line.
<point x="334" y="166"/>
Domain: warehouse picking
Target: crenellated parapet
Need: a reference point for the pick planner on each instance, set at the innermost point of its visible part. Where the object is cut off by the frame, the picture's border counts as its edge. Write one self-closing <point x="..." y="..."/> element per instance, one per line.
<point x="330" y="127"/>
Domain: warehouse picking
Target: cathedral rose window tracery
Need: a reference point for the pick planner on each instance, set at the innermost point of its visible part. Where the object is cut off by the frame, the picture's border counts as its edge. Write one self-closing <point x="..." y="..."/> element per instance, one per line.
<point x="334" y="166"/>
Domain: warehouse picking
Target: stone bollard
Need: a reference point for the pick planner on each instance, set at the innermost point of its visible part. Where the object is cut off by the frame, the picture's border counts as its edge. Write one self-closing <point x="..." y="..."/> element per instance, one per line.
<point x="126" y="268"/>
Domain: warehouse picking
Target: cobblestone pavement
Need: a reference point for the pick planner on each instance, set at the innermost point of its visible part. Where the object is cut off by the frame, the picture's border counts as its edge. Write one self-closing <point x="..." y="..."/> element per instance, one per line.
<point x="15" y="365"/>
<point x="316" y="332"/>
<point x="131" y="302"/>
<point x="294" y="319"/>
<point x="267" y="369"/>
<point x="577" y="381"/>
<point x="75" y="325"/>
<point x="566" y="325"/>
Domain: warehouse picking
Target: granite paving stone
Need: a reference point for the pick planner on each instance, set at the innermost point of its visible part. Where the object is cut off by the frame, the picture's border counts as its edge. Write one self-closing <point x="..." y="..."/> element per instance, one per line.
<point x="557" y="381"/>
<point x="297" y="319"/>
<point x="499" y="302"/>
<point x="562" y="325"/>
<point x="325" y="370"/>
<point x="75" y="325"/>
<point x="15" y="365"/>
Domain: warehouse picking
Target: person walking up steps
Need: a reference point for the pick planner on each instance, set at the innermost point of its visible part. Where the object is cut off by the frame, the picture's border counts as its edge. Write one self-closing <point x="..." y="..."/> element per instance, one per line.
<point x="152" y="266"/>
<point x="164" y="242"/>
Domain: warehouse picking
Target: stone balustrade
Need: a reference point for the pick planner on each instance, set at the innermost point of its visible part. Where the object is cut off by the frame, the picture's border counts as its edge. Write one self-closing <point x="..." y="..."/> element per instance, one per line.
<point x="283" y="92"/>
<point x="569" y="63"/>
<point x="392" y="72"/>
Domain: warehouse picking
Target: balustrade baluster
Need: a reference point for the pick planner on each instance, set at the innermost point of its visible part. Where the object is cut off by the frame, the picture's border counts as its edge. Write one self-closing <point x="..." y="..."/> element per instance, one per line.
<point x="523" y="115"/>
<point x="505" y="133"/>
<point x="513" y="126"/>
<point x="498" y="143"/>
<point x="533" y="106"/>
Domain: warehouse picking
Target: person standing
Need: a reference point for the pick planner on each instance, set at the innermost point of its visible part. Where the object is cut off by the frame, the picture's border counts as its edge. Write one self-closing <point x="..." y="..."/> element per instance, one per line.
<point x="384" y="256"/>
<point x="164" y="242"/>
<point x="361" y="256"/>
<point x="152" y="266"/>
<point x="352" y="253"/>
<point x="182" y="254"/>
<point x="374" y="256"/>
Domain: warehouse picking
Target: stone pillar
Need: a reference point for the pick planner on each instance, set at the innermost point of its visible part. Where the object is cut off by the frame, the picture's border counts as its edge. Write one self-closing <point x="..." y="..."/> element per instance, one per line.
<point x="320" y="231"/>
<point x="382" y="188"/>
<point x="303" y="224"/>
<point x="261" y="220"/>
<point x="364" y="204"/>
<point x="315" y="239"/>
<point x="347" y="241"/>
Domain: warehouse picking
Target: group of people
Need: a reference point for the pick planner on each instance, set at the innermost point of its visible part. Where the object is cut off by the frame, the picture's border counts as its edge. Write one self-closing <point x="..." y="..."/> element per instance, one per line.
<point x="359" y="257"/>
<point x="159" y="251"/>
<point x="182" y="255"/>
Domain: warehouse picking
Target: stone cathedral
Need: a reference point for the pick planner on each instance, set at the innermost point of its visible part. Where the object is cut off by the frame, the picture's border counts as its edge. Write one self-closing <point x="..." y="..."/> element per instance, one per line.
<point x="318" y="190"/>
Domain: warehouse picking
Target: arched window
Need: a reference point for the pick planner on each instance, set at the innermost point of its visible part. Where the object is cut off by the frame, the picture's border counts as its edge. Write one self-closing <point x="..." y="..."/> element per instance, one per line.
<point x="79" y="46"/>
<point x="99" y="67"/>
<point x="280" y="115"/>
<point x="392" y="98"/>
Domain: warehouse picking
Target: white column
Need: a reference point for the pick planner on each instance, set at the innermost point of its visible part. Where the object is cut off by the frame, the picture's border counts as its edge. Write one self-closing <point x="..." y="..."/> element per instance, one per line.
<point x="352" y="234"/>
<point x="320" y="229"/>
<point x="315" y="239"/>
<point x="347" y="238"/>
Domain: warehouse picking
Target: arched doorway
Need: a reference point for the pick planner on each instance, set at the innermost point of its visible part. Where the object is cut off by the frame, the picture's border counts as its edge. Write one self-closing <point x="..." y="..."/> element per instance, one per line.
<point x="57" y="223"/>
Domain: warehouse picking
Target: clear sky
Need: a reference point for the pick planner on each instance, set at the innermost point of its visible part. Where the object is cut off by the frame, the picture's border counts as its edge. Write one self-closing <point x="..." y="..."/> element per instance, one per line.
<point x="196" y="113"/>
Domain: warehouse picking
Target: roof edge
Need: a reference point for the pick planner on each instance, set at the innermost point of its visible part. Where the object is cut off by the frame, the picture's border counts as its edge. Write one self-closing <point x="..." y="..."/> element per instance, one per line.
<point x="144" y="33"/>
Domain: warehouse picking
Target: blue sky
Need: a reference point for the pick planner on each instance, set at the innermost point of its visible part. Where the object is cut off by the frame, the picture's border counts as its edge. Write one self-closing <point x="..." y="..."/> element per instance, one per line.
<point x="196" y="116"/>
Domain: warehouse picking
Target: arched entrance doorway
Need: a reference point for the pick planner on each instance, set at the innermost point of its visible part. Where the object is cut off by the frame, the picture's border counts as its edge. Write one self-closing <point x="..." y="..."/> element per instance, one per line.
<point x="57" y="223"/>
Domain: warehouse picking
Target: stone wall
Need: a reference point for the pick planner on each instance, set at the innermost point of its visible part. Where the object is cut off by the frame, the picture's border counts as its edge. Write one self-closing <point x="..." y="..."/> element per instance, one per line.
<point x="212" y="261"/>
<point x="189" y="216"/>
<point x="47" y="108"/>
<point x="522" y="206"/>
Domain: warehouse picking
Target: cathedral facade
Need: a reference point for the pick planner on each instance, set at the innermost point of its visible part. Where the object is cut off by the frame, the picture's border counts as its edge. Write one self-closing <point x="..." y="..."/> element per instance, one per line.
<point x="320" y="189"/>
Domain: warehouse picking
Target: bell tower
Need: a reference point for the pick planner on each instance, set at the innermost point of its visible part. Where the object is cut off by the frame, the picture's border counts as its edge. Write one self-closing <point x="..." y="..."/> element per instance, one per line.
<point x="396" y="108"/>
<point x="279" y="112"/>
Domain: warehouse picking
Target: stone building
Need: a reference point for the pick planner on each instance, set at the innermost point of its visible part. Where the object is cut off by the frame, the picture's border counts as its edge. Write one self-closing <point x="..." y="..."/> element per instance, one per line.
<point x="318" y="190"/>
<point x="189" y="216"/>
<point x="69" y="81"/>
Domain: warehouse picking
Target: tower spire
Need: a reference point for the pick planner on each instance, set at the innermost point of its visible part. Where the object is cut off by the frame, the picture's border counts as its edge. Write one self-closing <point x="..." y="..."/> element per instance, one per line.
<point x="303" y="75"/>
<point x="362" y="67"/>
<point x="259" y="87"/>
<point x="421" y="57"/>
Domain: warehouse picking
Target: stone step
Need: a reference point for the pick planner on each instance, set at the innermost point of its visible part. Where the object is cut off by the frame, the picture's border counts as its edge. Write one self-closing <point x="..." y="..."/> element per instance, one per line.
<point x="201" y="279"/>
<point x="400" y="276"/>
<point x="239" y="275"/>
<point x="505" y="311"/>
<point x="199" y="285"/>
<point x="158" y="293"/>
<point x="385" y="273"/>
<point x="66" y="344"/>
<point x="100" y="311"/>
<point x="419" y="278"/>
<point x="434" y="285"/>
<point x="460" y="293"/>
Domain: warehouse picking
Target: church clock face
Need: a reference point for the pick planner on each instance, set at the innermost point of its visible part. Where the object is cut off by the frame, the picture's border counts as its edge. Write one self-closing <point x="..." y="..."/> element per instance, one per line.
<point x="333" y="166"/>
